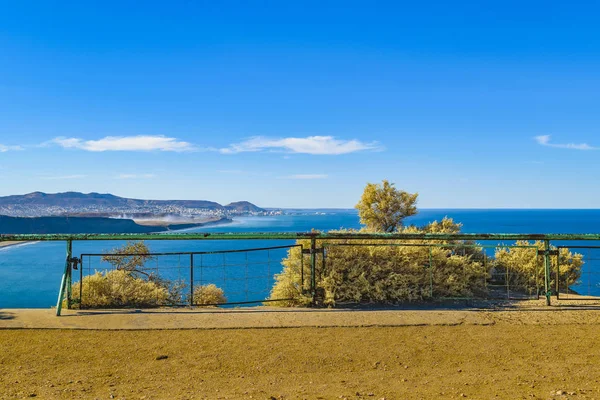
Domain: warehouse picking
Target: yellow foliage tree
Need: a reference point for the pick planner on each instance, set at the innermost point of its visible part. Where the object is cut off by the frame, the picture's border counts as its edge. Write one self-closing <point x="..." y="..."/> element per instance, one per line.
<point x="131" y="257"/>
<point x="382" y="207"/>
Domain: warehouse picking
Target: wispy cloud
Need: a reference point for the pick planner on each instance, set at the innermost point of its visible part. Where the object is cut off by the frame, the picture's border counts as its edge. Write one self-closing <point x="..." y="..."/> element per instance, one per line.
<point x="4" y="148"/>
<point x="544" y="140"/>
<point x="319" y="145"/>
<point x="234" y="171"/>
<point x="135" y="176"/>
<point x="125" y="143"/>
<point x="63" y="177"/>
<point x="306" y="176"/>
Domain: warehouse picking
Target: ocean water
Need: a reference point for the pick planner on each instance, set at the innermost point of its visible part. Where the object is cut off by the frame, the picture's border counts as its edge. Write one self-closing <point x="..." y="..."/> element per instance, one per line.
<point x="30" y="274"/>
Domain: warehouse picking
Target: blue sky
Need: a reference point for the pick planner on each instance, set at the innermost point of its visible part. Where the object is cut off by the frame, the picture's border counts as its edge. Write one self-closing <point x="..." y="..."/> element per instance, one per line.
<point x="300" y="104"/>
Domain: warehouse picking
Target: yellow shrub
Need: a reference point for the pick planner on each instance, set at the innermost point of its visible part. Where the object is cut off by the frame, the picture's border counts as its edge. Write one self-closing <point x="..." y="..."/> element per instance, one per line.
<point x="208" y="295"/>
<point x="526" y="269"/>
<point x="117" y="289"/>
<point x="288" y="288"/>
<point x="385" y="274"/>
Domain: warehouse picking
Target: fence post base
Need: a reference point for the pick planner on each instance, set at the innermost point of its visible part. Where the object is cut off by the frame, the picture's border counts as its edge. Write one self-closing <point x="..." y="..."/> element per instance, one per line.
<point x="547" y="267"/>
<point x="65" y="282"/>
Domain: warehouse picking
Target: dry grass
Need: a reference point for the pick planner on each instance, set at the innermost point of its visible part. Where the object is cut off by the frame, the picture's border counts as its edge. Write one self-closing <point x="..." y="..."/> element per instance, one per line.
<point x="505" y="361"/>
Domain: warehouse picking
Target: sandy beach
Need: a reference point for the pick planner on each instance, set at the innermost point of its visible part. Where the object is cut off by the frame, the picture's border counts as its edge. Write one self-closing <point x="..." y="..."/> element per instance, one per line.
<point x="8" y="244"/>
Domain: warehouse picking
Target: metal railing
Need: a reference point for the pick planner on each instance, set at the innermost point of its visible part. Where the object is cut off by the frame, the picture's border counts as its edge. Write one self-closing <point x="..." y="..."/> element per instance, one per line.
<point x="317" y="243"/>
<point x="245" y="276"/>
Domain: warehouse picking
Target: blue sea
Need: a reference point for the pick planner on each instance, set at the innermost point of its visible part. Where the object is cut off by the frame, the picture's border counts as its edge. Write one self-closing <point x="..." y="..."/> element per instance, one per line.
<point x="30" y="273"/>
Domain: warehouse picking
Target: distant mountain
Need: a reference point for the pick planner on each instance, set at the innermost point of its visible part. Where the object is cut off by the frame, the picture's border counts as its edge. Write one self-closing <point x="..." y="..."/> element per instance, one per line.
<point x="243" y="207"/>
<point x="38" y="204"/>
<point x="74" y="199"/>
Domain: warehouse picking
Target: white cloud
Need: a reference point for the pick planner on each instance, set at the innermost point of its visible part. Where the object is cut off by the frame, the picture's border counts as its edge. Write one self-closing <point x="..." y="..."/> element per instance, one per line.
<point x="4" y="149"/>
<point x="63" y="177"/>
<point x="544" y="140"/>
<point x="307" y="176"/>
<point x="136" y="176"/>
<point x="320" y="145"/>
<point x="233" y="171"/>
<point x="125" y="143"/>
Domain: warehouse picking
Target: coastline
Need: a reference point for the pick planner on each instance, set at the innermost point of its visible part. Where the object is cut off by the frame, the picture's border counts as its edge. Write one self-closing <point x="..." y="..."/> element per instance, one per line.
<point x="193" y="225"/>
<point x="4" y="245"/>
<point x="99" y="225"/>
<point x="170" y="223"/>
<point x="186" y="227"/>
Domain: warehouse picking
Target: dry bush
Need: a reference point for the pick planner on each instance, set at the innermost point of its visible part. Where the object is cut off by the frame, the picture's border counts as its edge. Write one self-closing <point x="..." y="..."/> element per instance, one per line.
<point x="131" y="284"/>
<point x="386" y="274"/>
<point x="208" y="295"/>
<point x="288" y="288"/>
<point x="119" y="288"/>
<point x="526" y="268"/>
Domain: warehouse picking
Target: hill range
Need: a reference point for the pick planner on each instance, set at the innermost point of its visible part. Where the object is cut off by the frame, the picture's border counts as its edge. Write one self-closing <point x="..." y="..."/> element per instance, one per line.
<point x="74" y="212"/>
<point x="83" y="201"/>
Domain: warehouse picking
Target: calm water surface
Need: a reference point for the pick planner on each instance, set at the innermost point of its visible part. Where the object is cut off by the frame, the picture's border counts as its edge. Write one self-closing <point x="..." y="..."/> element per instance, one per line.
<point x="30" y="274"/>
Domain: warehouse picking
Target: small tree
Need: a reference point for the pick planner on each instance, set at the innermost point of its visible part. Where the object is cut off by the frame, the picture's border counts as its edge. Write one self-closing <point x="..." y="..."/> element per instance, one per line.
<point x="382" y="207"/>
<point x="131" y="257"/>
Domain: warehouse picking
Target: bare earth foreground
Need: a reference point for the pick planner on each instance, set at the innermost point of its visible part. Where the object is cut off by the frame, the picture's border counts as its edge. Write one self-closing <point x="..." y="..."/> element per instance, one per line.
<point x="526" y="351"/>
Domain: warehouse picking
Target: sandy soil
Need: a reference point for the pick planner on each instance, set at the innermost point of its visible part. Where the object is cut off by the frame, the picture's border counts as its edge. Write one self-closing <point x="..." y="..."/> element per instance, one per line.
<point x="6" y="244"/>
<point x="520" y="352"/>
<point x="259" y="317"/>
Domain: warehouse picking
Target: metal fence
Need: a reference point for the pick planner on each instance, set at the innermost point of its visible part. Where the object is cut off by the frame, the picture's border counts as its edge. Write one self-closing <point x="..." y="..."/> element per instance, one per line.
<point x="584" y="286"/>
<point x="247" y="275"/>
<point x="201" y="278"/>
<point x="477" y="277"/>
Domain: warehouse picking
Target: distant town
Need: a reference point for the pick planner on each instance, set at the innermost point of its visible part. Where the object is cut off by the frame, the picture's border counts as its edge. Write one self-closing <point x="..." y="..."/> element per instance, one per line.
<point x="40" y="204"/>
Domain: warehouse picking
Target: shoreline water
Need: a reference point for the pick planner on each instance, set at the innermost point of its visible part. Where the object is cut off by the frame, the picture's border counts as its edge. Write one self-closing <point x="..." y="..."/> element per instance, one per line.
<point x="4" y="245"/>
<point x="10" y="245"/>
<point x="30" y="275"/>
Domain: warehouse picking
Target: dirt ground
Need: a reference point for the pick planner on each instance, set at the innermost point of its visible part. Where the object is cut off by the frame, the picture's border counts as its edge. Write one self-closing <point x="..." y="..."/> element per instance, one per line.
<point x="545" y="353"/>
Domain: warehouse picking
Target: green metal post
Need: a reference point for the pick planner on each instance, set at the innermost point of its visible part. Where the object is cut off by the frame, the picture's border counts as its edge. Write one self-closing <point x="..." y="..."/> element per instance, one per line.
<point x="65" y="278"/>
<point x="507" y="280"/>
<point x="557" y="274"/>
<point x="430" y="272"/>
<point x="547" y="265"/>
<point x="313" y="264"/>
<point x="302" y="270"/>
<point x="191" y="280"/>
<point x="69" y="275"/>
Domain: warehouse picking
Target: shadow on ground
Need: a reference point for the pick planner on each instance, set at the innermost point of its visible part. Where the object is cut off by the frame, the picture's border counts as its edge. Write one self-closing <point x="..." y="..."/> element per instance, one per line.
<point x="448" y="305"/>
<point x="6" y="315"/>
